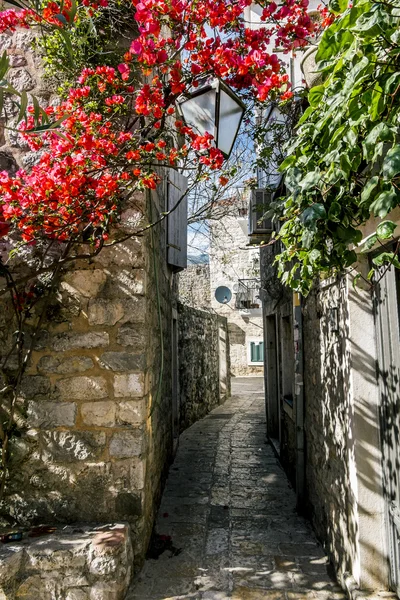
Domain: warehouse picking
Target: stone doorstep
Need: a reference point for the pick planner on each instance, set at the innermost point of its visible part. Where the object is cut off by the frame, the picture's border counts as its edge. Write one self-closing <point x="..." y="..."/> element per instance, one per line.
<point x="78" y="561"/>
<point x="354" y="593"/>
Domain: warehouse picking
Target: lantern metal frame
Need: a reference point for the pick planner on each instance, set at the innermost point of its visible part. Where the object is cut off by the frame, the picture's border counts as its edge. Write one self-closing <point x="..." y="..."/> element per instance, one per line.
<point x="217" y="85"/>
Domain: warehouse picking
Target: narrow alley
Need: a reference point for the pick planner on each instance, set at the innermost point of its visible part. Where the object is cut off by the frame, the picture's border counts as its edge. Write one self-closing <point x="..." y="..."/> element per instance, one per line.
<point x="230" y="513"/>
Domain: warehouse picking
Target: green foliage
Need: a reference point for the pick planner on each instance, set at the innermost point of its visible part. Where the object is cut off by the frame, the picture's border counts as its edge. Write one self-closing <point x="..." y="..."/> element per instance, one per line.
<point x="89" y="42"/>
<point x="344" y="163"/>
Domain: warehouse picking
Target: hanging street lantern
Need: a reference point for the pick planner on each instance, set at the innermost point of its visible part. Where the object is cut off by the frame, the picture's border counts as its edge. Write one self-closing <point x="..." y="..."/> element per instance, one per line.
<point x="214" y="108"/>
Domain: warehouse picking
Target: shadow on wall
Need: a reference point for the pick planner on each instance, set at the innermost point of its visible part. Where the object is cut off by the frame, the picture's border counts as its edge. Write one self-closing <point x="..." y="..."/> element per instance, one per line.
<point x="333" y="424"/>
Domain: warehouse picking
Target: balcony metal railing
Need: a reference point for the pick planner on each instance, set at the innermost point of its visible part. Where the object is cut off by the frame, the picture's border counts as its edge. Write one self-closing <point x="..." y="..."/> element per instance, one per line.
<point x="248" y="294"/>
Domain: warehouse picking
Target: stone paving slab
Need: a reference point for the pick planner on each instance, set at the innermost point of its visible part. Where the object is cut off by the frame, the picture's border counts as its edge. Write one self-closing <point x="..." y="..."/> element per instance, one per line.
<point x="230" y="509"/>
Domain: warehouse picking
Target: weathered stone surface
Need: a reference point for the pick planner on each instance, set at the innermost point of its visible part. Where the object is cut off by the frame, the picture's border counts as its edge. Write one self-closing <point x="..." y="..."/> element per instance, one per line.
<point x="105" y="312"/>
<point x="200" y="363"/>
<point x="129" y="473"/>
<point x="129" y="385"/>
<point x="125" y="444"/>
<point x="17" y="60"/>
<point x="132" y="412"/>
<point x="122" y="361"/>
<point x="71" y="564"/>
<point x="106" y="591"/>
<point x="72" y="341"/>
<point x="103" y="565"/>
<point x="35" y="587"/>
<point x="72" y="446"/>
<point x="99" y="413"/>
<point x="7" y="163"/>
<point x="82" y="388"/>
<point x="10" y="564"/>
<point x="23" y="39"/>
<point x="128" y="254"/>
<point x="35" y="386"/>
<point x="125" y="283"/>
<point x="52" y="414"/>
<point x="30" y="159"/>
<point x="87" y="283"/>
<point x="65" y="366"/>
<point x="21" y="79"/>
<point x="76" y="594"/>
<point x="132" y="335"/>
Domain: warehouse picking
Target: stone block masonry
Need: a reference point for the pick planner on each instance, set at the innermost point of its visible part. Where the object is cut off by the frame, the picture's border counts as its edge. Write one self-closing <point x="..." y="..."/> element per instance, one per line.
<point x="204" y="373"/>
<point x="94" y="417"/>
<point x="72" y="563"/>
<point x="95" y="431"/>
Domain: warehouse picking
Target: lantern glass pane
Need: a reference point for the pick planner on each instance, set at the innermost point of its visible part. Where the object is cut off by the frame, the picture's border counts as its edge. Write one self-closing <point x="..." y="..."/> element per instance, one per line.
<point x="230" y="114"/>
<point x="199" y="112"/>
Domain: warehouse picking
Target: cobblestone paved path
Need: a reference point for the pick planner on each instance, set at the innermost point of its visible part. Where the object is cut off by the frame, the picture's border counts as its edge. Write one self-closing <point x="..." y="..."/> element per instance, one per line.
<point x="229" y="508"/>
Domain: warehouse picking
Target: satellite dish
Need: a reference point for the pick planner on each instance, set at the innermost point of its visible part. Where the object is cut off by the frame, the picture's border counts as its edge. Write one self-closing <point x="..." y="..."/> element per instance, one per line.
<point x="235" y="287"/>
<point x="223" y="294"/>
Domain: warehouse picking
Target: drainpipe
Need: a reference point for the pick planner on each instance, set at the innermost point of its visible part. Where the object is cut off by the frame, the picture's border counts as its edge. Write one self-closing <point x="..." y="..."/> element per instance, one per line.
<point x="299" y="400"/>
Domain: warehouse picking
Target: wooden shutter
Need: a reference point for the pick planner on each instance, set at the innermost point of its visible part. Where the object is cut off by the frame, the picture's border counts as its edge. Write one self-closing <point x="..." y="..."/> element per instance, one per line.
<point x="259" y="204"/>
<point x="177" y="221"/>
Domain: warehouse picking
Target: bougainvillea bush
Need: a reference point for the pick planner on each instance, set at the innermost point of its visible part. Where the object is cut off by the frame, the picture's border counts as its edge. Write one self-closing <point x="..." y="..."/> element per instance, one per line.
<point x="120" y="68"/>
<point x="117" y="125"/>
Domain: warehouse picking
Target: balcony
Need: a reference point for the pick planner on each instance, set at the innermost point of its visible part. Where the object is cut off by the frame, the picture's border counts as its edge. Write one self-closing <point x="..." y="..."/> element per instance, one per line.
<point x="248" y="297"/>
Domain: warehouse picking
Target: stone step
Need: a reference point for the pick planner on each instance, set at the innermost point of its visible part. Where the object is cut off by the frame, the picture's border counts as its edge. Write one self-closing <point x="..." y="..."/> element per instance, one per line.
<point x="80" y="562"/>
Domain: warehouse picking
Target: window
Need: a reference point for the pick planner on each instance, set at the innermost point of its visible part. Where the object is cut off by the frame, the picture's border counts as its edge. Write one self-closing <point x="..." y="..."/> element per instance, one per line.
<point x="255" y="352"/>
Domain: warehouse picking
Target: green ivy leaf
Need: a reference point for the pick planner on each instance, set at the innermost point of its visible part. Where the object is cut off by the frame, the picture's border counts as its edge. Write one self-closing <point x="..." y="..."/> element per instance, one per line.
<point x="369" y="187"/>
<point x="386" y="258"/>
<point x="310" y="180"/>
<point x="384" y="203"/>
<point x="312" y="214"/>
<point x="349" y="234"/>
<point x="368" y="22"/>
<point x="392" y="83"/>
<point x="314" y="255"/>
<point x="391" y="163"/>
<point x="338" y="6"/>
<point x="315" y="95"/>
<point x="385" y="230"/>
<point x="307" y="238"/>
<point x="288" y="162"/>
<point x="369" y="242"/>
<point x="332" y="44"/>
<point x="380" y="132"/>
<point x="334" y="212"/>
<point x="377" y="102"/>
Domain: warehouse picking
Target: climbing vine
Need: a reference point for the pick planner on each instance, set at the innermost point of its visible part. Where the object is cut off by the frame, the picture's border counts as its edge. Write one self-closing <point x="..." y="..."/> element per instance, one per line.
<point x="343" y="165"/>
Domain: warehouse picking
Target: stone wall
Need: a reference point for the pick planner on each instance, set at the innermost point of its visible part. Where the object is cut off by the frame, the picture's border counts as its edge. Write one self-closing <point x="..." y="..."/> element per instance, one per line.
<point x="194" y="286"/>
<point x="97" y="438"/>
<point x="204" y="379"/>
<point x="94" y="419"/>
<point x="70" y="563"/>
<point x="25" y="74"/>
<point x="328" y="422"/>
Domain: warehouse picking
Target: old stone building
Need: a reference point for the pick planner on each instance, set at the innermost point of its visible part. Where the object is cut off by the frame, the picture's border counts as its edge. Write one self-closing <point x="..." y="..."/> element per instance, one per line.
<point x="235" y="290"/>
<point x="332" y="398"/>
<point x="229" y="286"/>
<point x="332" y="395"/>
<point x="99" y="415"/>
